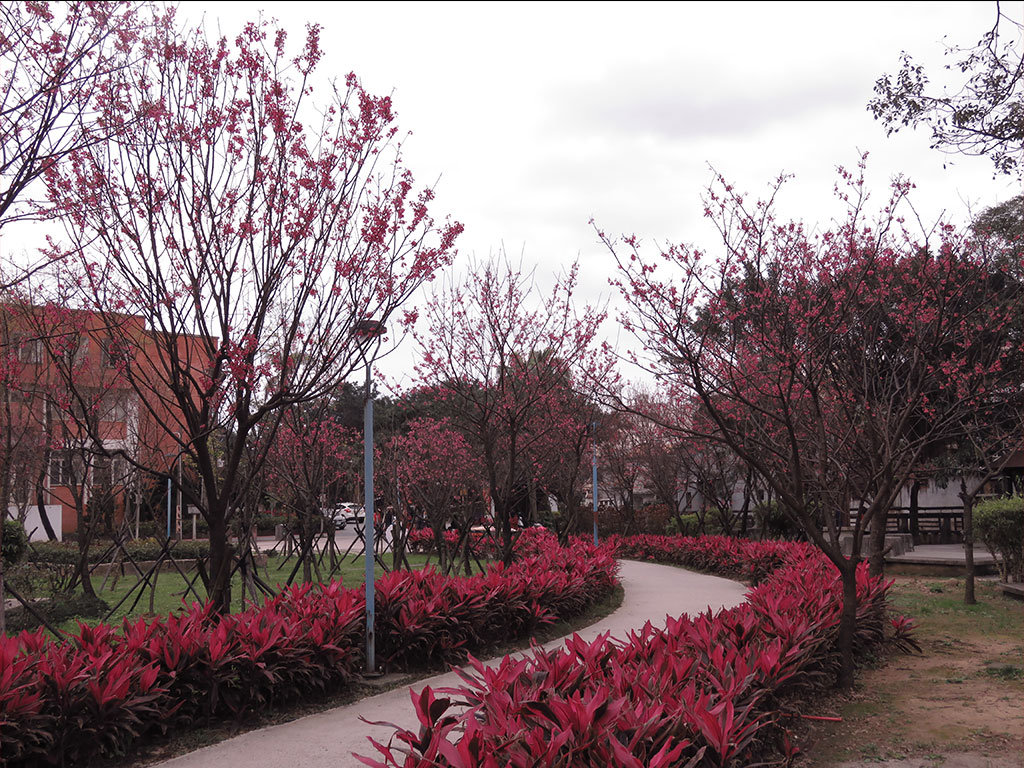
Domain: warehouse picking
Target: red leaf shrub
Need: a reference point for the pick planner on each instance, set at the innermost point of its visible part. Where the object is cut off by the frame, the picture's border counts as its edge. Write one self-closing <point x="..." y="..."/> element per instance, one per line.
<point x="426" y="618"/>
<point x="106" y="689"/>
<point x="703" y="691"/>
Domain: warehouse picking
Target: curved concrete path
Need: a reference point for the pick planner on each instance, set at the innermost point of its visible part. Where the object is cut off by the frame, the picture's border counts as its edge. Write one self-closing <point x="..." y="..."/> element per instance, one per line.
<point x="328" y="739"/>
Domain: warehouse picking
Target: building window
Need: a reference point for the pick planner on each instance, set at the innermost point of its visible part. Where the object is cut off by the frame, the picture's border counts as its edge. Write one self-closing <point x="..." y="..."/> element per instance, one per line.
<point x="115" y="353"/>
<point x="102" y="475"/>
<point x="30" y="351"/>
<point x="119" y="469"/>
<point x="61" y="469"/>
<point x="114" y="406"/>
<point x="81" y="350"/>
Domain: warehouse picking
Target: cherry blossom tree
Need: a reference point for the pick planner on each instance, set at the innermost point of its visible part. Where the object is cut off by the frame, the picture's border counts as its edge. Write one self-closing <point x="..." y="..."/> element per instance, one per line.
<point x="828" y="363"/>
<point x="496" y="353"/>
<point x="59" y="64"/>
<point x="716" y="474"/>
<point x="561" y="457"/>
<point x="22" y="442"/>
<point x="436" y="466"/>
<point x="310" y="454"/>
<point x="661" y="451"/>
<point x="621" y="468"/>
<point x="254" y="230"/>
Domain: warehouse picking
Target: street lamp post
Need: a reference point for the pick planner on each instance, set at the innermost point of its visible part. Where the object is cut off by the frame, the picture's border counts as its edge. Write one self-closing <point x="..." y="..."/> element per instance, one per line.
<point x="369" y="329"/>
<point x="593" y="463"/>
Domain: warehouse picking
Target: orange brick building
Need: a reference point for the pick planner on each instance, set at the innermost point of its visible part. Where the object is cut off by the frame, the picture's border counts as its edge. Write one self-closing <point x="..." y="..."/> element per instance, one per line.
<point x="86" y="428"/>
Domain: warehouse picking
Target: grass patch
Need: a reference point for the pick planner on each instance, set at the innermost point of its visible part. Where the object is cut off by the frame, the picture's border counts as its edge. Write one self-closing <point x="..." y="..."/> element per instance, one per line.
<point x="170" y="594"/>
<point x="938" y="604"/>
<point x="1006" y="672"/>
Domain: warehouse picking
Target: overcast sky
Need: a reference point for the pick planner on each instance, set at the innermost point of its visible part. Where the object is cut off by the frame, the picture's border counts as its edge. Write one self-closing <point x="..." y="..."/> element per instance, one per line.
<point x="534" y="117"/>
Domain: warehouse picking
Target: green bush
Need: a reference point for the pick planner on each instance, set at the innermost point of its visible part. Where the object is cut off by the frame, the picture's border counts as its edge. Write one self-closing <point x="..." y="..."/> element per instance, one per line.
<point x="15" y="542"/>
<point x="60" y="553"/>
<point x="654" y="519"/>
<point x="56" y="610"/>
<point x="54" y="552"/>
<point x="775" y="523"/>
<point x="689" y="527"/>
<point x="1000" y="524"/>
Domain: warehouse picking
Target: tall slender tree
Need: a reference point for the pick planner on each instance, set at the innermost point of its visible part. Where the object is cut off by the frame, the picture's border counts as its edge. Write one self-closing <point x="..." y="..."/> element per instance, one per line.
<point x="253" y="229"/>
<point x="498" y="353"/>
<point x="827" y="363"/>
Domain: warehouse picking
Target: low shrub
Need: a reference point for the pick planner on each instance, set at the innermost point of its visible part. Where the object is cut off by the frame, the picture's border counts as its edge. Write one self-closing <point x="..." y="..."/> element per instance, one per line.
<point x="654" y="518"/>
<point x="425" y="618"/>
<point x="705" y="691"/>
<point x="56" y="610"/>
<point x="775" y="523"/>
<point x="736" y="558"/>
<point x="106" y="689"/>
<point x="999" y="523"/>
<point x="684" y="525"/>
<point x="15" y="542"/>
<point x="482" y="543"/>
<point x="63" y="553"/>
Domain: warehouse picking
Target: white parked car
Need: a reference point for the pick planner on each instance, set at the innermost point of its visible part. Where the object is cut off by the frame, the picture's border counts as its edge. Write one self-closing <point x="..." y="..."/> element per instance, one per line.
<point x="346" y="512"/>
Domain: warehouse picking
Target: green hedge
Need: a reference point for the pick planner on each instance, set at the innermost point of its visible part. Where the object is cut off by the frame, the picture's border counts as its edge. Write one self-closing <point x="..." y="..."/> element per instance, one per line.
<point x="999" y="523"/>
<point x="15" y="542"/>
<point x="690" y="526"/>
<point x="56" y="610"/>
<point x="775" y="523"/>
<point x="58" y="553"/>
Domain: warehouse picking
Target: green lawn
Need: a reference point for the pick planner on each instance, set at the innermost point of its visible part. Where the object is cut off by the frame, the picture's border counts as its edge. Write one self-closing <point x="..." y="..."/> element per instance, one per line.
<point x="171" y="593"/>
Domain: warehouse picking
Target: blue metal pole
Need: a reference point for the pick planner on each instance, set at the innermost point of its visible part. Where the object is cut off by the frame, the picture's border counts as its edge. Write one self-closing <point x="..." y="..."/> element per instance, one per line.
<point x="368" y="523"/>
<point x="593" y="430"/>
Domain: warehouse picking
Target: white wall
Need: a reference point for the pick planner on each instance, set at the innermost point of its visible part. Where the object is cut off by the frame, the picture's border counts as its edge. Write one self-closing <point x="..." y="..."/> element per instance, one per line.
<point x="938" y="495"/>
<point x="34" y="524"/>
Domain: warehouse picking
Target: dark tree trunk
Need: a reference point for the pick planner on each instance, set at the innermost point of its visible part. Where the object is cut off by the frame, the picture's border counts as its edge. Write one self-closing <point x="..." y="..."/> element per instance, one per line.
<point x="505" y="523"/>
<point x="876" y="561"/>
<point x="745" y="509"/>
<point x="440" y="544"/>
<point x="968" y="502"/>
<point x="3" y="612"/>
<point x="41" y="505"/>
<point x="847" y="623"/>
<point x="220" y="566"/>
<point x="915" y="521"/>
<point x="531" y="487"/>
<point x="84" y="576"/>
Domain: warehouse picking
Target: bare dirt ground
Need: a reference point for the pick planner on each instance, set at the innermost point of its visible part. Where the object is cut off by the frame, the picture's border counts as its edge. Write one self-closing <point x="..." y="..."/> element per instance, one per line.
<point x="959" y="704"/>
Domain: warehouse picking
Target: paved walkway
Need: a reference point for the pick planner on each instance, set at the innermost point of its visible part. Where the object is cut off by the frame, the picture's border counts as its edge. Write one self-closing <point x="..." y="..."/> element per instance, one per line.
<point x="328" y="739"/>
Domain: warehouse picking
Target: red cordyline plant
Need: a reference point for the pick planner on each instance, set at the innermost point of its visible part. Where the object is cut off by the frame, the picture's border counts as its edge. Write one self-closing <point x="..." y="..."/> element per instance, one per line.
<point x="253" y="228"/>
<point x="709" y="690"/>
<point x="106" y="690"/>
<point x="497" y="352"/>
<point x="826" y="362"/>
